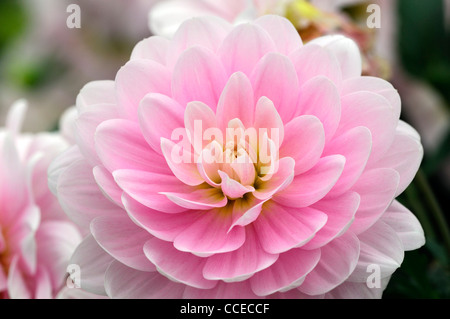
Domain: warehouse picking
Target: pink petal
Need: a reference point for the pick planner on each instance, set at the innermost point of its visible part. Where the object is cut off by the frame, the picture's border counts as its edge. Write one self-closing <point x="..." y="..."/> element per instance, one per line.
<point x="235" y="290"/>
<point x="81" y="198"/>
<point x="244" y="167"/>
<point x="286" y="273"/>
<point x="267" y="119"/>
<point x="85" y="126"/>
<point x="281" y="228"/>
<point x="380" y="246"/>
<point x="136" y="79"/>
<point x="312" y="60"/>
<point x="241" y="263"/>
<point x="340" y="211"/>
<point x="176" y="265"/>
<point x="275" y="78"/>
<point x="122" y="282"/>
<point x="56" y="241"/>
<point x="404" y="155"/>
<point x="164" y="226"/>
<point x="210" y="162"/>
<point x="60" y="164"/>
<point x="207" y="32"/>
<point x="375" y="85"/>
<point x="186" y="172"/>
<point x="304" y="140"/>
<point x="279" y="181"/>
<point x="123" y="240"/>
<point x="120" y="145"/>
<point x="159" y="116"/>
<point x="244" y="46"/>
<point x="201" y="199"/>
<point x="246" y="211"/>
<point x="355" y="145"/>
<point x="405" y="225"/>
<point x="337" y="261"/>
<point x="153" y="48"/>
<point x="145" y="188"/>
<point x="198" y="76"/>
<point x="346" y="52"/>
<point x="96" y="92"/>
<point x="236" y="101"/>
<point x="210" y="233"/>
<point x="108" y="185"/>
<point x="308" y="188"/>
<point x="377" y="115"/>
<point x="282" y="32"/>
<point x="357" y="290"/>
<point x="232" y="188"/>
<point x="320" y="97"/>
<point x="377" y="190"/>
<point x="44" y="289"/>
<point x="17" y="286"/>
<point x="93" y="262"/>
<point x="198" y="118"/>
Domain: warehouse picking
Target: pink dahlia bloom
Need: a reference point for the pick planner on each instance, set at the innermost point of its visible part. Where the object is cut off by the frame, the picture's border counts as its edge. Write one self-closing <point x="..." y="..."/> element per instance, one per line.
<point x="36" y="238"/>
<point x="236" y="162"/>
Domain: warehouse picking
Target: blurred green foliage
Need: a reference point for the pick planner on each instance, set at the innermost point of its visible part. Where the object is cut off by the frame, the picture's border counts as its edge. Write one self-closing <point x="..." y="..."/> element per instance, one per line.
<point x="13" y="21"/>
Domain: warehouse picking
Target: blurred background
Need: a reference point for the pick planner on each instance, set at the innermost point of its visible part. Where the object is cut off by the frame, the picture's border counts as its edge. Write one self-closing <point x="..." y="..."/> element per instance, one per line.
<point x="44" y="61"/>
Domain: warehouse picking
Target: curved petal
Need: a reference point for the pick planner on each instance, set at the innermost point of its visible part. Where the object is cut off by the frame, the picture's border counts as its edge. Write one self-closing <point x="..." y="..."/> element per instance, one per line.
<point x="377" y="190"/>
<point x="161" y="225"/>
<point x="179" y="266"/>
<point x="355" y="145"/>
<point x="145" y="188"/>
<point x="120" y="145"/>
<point x="274" y="77"/>
<point x="159" y="116"/>
<point x="135" y="80"/>
<point x="185" y="170"/>
<point x="286" y="273"/>
<point x="405" y="225"/>
<point x="243" y="47"/>
<point x="81" y="198"/>
<point x="123" y="240"/>
<point x="337" y="261"/>
<point x="282" y="32"/>
<point x="201" y="199"/>
<point x="340" y="211"/>
<point x="308" y="188"/>
<point x="377" y="115"/>
<point x="236" y="101"/>
<point x="346" y="52"/>
<point x="210" y="233"/>
<point x="232" y="188"/>
<point x="375" y="85"/>
<point x="320" y="97"/>
<point x="235" y="290"/>
<point x="312" y="60"/>
<point x="304" y="140"/>
<point x="122" y="282"/>
<point x="282" y="228"/>
<point x="380" y="247"/>
<point x="404" y="155"/>
<point x="154" y="48"/>
<point x="198" y="76"/>
<point x="93" y="262"/>
<point x="238" y="265"/>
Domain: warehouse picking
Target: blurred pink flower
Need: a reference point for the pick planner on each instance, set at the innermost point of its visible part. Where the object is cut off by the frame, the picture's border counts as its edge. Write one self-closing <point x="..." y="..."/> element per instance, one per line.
<point x="302" y="211"/>
<point x="36" y="238"/>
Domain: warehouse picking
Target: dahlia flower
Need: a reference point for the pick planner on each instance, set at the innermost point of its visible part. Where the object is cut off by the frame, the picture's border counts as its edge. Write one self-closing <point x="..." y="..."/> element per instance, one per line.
<point x="36" y="238"/>
<point x="237" y="162"/>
